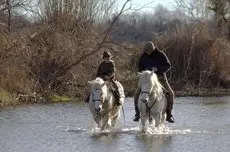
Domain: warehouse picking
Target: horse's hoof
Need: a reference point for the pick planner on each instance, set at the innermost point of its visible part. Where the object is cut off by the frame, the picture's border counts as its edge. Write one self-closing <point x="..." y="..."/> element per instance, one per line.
<point x="98" y="126"/>
<point x="144" y="130"/>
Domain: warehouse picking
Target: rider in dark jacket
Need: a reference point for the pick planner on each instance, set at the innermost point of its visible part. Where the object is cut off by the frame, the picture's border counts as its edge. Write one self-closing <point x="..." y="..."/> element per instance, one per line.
<point x="106" y="71"/>
<point x="153" y="59"/>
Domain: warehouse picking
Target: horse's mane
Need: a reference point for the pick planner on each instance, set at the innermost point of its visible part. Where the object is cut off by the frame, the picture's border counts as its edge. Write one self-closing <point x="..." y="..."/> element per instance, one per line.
<point x="97" y="82"/>
<point x="100" y="84"/>
<point x="150" y="77"/>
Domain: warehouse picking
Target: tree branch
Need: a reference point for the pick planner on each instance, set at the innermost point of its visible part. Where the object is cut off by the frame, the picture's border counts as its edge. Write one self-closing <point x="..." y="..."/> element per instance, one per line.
<point x="100" y="45"/>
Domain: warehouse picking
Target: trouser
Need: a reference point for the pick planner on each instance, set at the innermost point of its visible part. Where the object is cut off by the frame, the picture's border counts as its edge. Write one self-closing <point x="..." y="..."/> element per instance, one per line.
<point x="170" y="96"/>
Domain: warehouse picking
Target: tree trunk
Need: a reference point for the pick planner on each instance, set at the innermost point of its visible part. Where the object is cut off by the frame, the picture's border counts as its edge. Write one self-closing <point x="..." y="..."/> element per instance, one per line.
<point x="229" y="31"/>
<point x="9" y="15"/>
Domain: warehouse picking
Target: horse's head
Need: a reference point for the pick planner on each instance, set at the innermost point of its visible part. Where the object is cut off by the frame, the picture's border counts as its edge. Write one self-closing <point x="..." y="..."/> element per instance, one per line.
<point x="98" y="93"/>
<point x="149" y="85"/>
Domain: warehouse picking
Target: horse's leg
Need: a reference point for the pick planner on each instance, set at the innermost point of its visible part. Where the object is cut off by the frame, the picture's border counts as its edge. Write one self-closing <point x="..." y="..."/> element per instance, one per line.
<point x="115" y="115"/>
<point x="114" y="119"/>
<point x="143" y="116"/>
<point x="97" y="120"/>
<point x="144" y="122"/>
<point x="163" y="117"/>
<point x="164" y="110"/>
<point x="95" y="116"/>
<point x="151" y="120"/>
<point x="158" y="118"/>
<point x="104" y="123"/>
<point x="118" y="113"/>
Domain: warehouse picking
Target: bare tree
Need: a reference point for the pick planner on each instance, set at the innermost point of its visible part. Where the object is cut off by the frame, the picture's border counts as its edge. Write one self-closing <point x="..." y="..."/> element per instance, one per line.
<point x="9" y="9"/>
<point x="47" y="68"/>
<point x="222" y="13"/>
<point x="8" y="5"/>
<point x="194" y="8"/>
<point x="86" y="9"/>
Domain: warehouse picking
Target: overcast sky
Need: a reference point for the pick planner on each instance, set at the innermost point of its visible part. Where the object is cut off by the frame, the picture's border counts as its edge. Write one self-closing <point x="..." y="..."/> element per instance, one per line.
<point x="166" y="3"/>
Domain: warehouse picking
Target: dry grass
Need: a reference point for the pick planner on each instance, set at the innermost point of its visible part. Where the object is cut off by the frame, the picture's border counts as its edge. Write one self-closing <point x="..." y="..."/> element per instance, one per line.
<point x="34" y="61"/>
<point x="188" y="49"/>
<point x="7" y="99"/>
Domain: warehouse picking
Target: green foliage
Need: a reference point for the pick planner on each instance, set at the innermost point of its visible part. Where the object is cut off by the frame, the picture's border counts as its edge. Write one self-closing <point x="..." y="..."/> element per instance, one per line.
<point x="58" y="98"/>
<point x="7" y="98"/>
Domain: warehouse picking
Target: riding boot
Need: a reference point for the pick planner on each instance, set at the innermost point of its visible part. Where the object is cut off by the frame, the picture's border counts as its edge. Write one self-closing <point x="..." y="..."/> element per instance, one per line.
<point x="169" y="108"/>
<point x="117" y="97"/>
<point x="137" y="115"/>
<point x="169" y="117"/>
<point x="169" y="97"/>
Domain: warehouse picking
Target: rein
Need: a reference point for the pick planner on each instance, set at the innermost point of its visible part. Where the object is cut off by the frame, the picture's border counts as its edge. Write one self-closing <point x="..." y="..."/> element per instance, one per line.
<point x="146" y="105"/>
<point x="149" y="108"/>
<point x="145" y="92"/>
<point x="104" y="101"/>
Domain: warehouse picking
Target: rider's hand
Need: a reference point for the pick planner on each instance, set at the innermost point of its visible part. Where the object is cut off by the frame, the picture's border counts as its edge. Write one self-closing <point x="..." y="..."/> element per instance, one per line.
<point x="154" y="69"/>
<point x="107" y="77"/>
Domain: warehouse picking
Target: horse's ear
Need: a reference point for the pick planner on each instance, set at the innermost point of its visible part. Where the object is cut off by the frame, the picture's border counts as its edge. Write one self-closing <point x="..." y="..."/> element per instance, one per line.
<point x="152" y="72"/>
<point x="139" y="74"/>
<point x="103" y="84"/>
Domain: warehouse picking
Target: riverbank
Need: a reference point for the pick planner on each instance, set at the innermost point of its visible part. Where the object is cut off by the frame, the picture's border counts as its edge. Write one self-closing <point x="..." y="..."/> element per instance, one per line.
<point x="8" y="99"/>
<point x="215" y="92"/>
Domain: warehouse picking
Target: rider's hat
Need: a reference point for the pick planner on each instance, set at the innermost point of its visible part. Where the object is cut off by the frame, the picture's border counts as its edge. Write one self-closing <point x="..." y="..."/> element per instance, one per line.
<point x="149" y="46"/>
<point x="106" y="54"/>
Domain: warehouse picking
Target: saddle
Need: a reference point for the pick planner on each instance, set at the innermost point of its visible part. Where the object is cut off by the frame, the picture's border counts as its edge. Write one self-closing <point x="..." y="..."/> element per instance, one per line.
<point x="115" y="91"/>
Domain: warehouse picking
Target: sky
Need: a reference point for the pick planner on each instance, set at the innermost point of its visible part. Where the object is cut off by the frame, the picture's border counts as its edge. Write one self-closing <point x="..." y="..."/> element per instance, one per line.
<point x="167" y="3"/>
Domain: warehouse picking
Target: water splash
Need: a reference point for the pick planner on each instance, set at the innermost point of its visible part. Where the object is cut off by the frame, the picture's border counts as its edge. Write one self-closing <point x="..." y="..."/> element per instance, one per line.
<point x="162" y="130"/>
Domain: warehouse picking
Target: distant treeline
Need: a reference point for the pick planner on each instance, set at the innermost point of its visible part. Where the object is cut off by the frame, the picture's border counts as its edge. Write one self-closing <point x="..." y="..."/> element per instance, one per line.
<point x="57" y="49"/>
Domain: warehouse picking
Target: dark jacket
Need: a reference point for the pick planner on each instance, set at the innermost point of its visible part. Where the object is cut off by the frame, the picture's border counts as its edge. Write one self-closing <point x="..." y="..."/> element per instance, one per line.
<point x="156" y="59"/>
<point x="106" y="69"/>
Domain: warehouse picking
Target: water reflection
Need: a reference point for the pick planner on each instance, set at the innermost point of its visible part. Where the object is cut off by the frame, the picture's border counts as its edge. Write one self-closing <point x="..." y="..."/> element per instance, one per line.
<point x="156" y="142"/>
<point x="201" y="122"/>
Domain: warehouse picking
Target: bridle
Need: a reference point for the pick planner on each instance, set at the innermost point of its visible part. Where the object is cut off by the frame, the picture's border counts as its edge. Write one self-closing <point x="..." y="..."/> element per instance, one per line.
<point x="94" y="100"/>
<point x="146" y="92"/>
<point x="148" y="108"/>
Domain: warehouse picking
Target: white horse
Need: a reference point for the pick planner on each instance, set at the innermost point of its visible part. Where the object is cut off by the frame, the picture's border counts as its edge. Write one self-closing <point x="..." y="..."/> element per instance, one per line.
<point x="152" y="100"/>
<point x="102" y="103"/>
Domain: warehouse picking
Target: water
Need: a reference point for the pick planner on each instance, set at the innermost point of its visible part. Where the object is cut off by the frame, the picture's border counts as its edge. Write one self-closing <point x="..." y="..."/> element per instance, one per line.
<point x="203" y="125"/>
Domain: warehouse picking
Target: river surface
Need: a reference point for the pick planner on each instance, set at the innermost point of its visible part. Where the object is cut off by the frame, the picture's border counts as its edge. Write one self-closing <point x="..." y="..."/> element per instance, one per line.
<point x="202" y="125"/>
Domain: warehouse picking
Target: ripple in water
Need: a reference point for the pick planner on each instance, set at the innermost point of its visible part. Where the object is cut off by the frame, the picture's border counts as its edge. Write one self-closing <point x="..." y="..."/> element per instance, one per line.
<point x="163" y="130"/>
